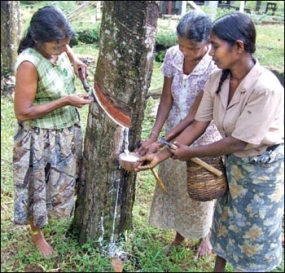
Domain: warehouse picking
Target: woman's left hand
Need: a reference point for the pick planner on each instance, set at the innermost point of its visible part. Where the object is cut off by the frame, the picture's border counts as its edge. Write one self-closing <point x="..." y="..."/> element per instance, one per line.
<point x="148" y="161"/>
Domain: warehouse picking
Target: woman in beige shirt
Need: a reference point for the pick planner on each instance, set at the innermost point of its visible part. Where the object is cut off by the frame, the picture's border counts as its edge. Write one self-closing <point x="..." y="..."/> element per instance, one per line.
<point x="246" y="102"/>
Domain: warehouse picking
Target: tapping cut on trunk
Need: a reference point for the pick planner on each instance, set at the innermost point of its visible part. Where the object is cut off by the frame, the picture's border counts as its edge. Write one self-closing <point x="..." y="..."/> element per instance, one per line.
<point x="118" y="112"/>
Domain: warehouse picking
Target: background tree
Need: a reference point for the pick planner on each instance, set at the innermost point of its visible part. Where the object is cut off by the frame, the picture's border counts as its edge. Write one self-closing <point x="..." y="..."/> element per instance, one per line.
<point x="10" y="35"/>
<point x="124" y="67"/>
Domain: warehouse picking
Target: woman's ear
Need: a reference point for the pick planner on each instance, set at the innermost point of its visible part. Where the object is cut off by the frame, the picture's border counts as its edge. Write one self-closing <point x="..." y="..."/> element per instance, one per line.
<point x="239" y="46"/>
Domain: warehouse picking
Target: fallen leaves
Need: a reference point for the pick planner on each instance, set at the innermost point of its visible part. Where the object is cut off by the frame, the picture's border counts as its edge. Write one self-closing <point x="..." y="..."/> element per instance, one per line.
<point x="117" y="264"/>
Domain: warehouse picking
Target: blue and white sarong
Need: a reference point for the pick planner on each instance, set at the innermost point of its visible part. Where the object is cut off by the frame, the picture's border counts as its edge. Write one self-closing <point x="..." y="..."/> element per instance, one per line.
<point x="247" y="226"/>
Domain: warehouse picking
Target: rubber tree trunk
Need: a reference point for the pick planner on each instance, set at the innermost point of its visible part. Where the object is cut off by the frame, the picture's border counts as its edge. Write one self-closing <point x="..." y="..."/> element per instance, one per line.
<point x="10" y="35"/>
<point x="122" y="78"/>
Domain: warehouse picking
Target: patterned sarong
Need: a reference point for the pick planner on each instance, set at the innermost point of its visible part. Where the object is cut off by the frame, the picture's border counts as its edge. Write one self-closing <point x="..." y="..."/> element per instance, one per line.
<point x="247" y="224"/>
<point x="46" y="165"/>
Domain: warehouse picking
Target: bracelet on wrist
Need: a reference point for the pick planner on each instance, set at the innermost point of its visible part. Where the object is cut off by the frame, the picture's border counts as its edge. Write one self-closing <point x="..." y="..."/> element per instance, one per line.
<point x="154" y="133"/>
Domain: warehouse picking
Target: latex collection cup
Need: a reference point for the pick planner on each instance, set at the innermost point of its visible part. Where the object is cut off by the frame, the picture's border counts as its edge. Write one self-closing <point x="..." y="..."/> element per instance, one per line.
<point x="129" y="161"/>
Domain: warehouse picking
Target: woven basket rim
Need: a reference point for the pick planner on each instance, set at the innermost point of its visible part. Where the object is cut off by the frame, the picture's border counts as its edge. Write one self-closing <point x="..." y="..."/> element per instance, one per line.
<point x="203" y="185"/>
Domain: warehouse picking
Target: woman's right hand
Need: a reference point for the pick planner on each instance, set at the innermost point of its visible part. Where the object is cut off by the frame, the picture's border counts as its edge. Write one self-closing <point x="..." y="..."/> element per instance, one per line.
<point x="148" y="161"/>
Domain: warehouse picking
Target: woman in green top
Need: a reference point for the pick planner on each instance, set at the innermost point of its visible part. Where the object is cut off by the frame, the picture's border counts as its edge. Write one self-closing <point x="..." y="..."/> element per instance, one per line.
<point x="47" y="149"/>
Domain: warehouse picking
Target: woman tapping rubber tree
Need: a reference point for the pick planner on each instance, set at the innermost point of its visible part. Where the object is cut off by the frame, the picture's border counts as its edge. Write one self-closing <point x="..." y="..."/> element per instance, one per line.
<point x="47" y="149"/>
<point x="186" y="68"/>
<point x="246" y="102"/>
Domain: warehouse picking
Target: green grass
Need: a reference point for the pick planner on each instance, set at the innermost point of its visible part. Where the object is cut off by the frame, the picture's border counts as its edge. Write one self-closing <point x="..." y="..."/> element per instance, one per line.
<point x="270" y="46"/>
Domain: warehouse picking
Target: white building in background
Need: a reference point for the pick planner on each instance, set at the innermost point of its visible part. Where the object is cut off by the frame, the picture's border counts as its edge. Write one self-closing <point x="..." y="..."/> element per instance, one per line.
<point x="180" y="7"/>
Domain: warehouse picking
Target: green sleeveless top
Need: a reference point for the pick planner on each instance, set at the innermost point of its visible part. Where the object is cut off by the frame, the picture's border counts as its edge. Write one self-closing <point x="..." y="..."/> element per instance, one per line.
<point x="54" y="81"/>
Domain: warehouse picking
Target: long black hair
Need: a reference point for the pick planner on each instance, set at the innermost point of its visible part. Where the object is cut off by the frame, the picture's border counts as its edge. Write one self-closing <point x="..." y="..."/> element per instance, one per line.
<point x="47" y="24"/>
<point x="232" y="27"/>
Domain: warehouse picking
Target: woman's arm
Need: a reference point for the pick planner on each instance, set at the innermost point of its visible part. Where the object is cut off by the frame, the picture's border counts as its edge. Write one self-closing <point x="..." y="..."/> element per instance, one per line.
<point x="187" y="137"/>
<point x="186" y="121"/>
<point x="155" y="146"/>
<point x="162" y="113"/>
<point x="77" y="63"/>
<point x="184" y="152"/>
<point x="224" y="146"/>
<point x="165" y="105"/>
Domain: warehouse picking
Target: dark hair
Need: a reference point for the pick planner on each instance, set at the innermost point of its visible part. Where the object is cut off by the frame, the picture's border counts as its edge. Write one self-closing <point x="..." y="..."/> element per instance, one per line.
<point x="232" y="27"/>
<point x="195" y="26"/>
<point x="47" y="24"/>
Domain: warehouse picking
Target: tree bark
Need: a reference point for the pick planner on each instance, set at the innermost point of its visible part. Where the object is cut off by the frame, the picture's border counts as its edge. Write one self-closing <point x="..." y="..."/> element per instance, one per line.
<point x="106" y="195"/>
<point x="10" y="35"/>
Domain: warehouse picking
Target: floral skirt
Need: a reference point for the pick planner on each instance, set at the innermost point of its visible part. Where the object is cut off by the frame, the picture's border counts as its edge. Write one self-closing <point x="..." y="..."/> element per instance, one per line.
<point x="176" y="210"/>
<point x="247" y="224"/>
<point x="46" y="166"/>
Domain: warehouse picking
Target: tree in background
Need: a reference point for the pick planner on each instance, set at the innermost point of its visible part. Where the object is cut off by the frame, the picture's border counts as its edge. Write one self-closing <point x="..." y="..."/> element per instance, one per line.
<point x="10" y="35"/>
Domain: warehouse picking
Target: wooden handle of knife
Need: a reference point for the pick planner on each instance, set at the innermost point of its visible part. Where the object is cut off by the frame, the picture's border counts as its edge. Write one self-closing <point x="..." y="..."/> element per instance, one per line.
<point x="84" y="81"/>
<point x="159" y="181"/>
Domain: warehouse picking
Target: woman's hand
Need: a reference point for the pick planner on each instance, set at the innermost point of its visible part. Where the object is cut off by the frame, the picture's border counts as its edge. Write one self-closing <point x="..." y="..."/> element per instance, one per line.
<point x="147" y="162"/>
<point x="79" y="100"/>
<point x="182" y="152"/>
<point x="144" y="146"/>
<point x="78" y="65"/>
<point x="154" y="147"/>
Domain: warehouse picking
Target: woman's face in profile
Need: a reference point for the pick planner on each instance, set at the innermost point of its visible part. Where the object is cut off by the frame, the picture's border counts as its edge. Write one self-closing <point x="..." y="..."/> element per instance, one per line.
<point x="224" y="55"/>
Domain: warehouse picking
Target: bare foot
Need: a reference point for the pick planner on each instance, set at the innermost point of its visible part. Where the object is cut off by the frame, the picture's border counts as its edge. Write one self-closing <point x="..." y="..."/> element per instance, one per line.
<point x="205" y="248"/>
<point x="41" y="244"/>
<point x="177" y="241"/>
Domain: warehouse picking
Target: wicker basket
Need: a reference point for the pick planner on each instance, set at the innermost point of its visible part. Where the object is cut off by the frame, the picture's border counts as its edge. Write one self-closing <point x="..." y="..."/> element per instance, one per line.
<point x="203" y="185"/>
